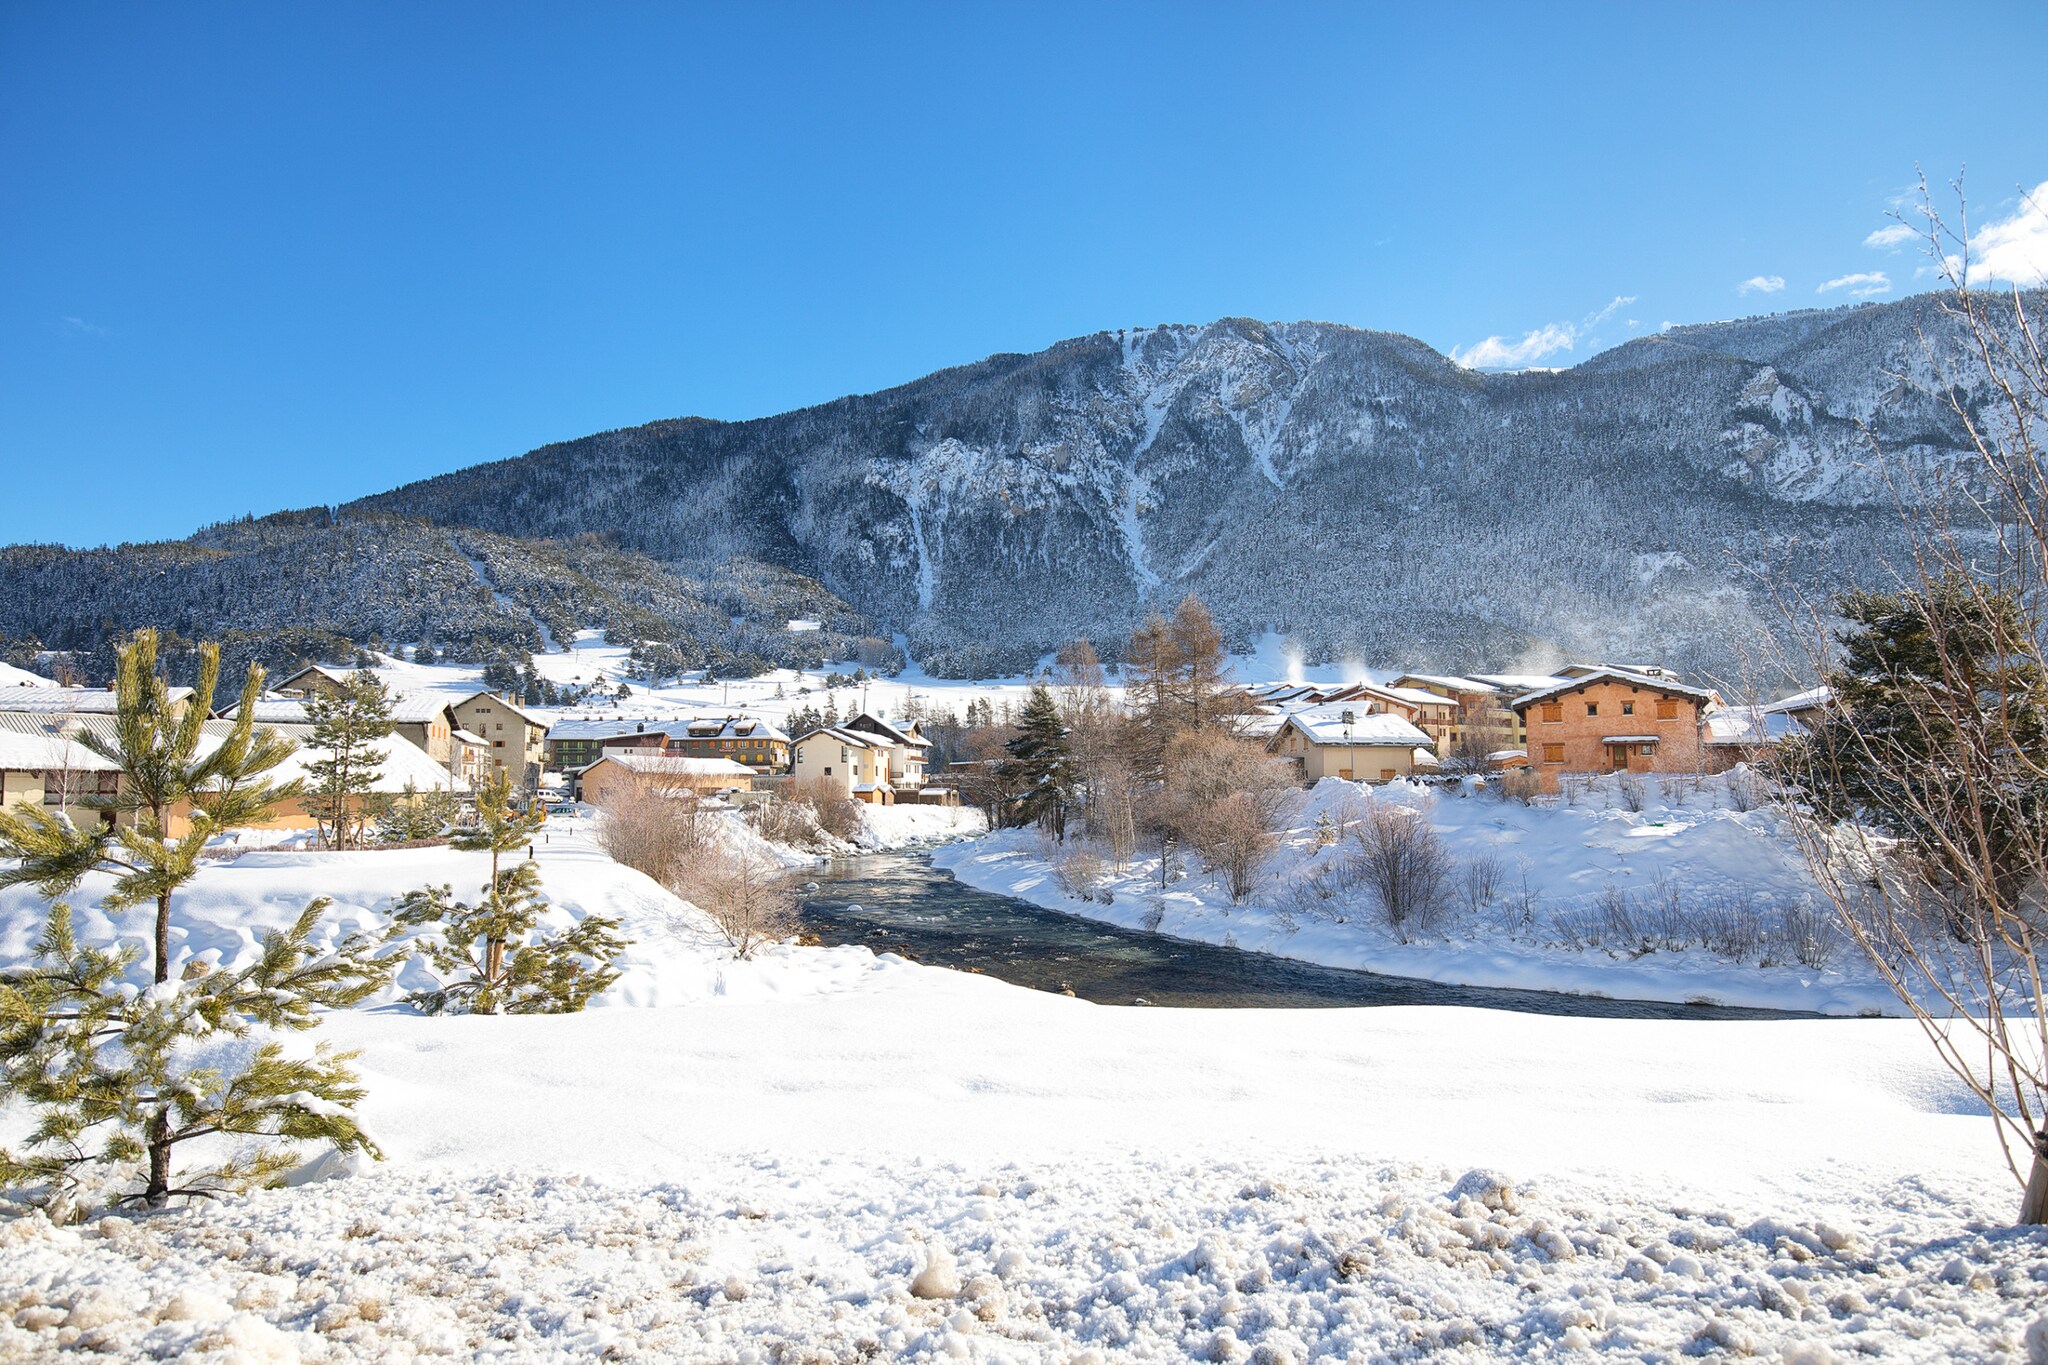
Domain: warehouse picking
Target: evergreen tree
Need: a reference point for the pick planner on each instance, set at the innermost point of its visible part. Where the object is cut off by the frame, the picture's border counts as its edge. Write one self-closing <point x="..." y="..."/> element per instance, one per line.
<point x="416" y="815"/>
<point x="507" y="973"/>
<point x="139" y="1072"/>
<point x="346" y="728"/>
<point x="1937" y="732"/>
<point x="1040" y="766"/>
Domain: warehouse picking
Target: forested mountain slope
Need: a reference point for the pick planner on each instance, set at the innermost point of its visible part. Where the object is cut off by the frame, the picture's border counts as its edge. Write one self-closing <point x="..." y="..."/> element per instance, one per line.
<point x="1354" y="489"/>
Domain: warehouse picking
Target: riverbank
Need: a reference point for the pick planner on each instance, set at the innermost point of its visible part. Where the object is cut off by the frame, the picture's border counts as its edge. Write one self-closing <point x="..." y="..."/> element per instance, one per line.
<point x="830" y="1149"/>
<point x="1544" y="925"/>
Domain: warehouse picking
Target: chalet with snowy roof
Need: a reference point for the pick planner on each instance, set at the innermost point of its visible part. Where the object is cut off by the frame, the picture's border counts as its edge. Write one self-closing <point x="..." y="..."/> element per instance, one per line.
<point x="1604" y="720"/>
<point x="1742" y="734"/>
<point x="630" y="774"/>
<point x="1344" y="740"/>
<point x="905" y="748"/>
<point x="43" y="763"/>
<point x="422" y="719"/>
<point x="743" y="739"/>
<point x="75" y="701"/>
<point x="851" y="762"/>
<point x="310" y="679"/>
<point x="517" y="738"/>
<point x="1804" y="708"/>
<point x="1485" y="723"/>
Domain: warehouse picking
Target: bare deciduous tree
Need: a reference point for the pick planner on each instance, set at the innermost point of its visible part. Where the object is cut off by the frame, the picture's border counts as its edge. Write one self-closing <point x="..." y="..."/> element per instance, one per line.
<point x="1923" y="780"/>
<point x="747" y="895"/>
<point x="1404" y="863"/>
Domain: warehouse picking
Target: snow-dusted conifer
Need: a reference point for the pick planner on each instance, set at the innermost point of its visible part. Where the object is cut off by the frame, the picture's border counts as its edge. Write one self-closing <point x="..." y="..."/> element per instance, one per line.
<point x="118" y="1078"/>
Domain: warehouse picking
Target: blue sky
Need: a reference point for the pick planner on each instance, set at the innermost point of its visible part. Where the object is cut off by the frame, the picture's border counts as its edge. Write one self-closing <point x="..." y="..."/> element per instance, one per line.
<point x="267" y="256"/>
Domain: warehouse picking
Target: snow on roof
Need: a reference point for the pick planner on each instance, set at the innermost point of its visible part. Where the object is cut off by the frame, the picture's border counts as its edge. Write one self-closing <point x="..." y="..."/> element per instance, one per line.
<point x="851" y="738"/>
<point x="1450" y="680"/>
<point x="272" y="709"/>
<point x="733" y="726"/>
<point x="1516" y="682"/>
<point x="662" y="765"/>
<point x="1414" y="696"/>
<point x="32" y="746"/>
<point x="1812" y="699"/>
<point x="799" y="623"/>
<point x="399" y="760"/>
<point x="82" y="701"/>
<point x="876" y="725"/>
<point x="1558" y="687"/>
<point x="10" y="676"/>
<point x="1260" y="724"/>
<point x="1747" y="726"/>
<point x="600" y="727"/>
<point x="1631" y="739"/>
<point x="469" y="737"/>
<point x="1326" y="725"/>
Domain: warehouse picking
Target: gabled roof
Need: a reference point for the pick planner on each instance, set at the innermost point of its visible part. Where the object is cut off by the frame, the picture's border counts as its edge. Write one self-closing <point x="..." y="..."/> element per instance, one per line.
<point x="663" y="765"/>
<point x="1326" y="725"/>
<point x="1612" y="675"/>
<point x="398" y="759"/>
<point x="731" y="726"/>
<point x="1747" y="726"/>
<point x="527" y="716"/>
<point x="1450" y="680"/>
<point x="1812" y="699"/>
<point x="844" y="736"/>
<point x="603" y="727"/>
<point x="272" y="709"/>
<point x="33" y="742"/>
<point x="876" y="726"/>
<point x="79" y="701"/>
<point x="332" y="677"/>
<point x="1516" y="682"/>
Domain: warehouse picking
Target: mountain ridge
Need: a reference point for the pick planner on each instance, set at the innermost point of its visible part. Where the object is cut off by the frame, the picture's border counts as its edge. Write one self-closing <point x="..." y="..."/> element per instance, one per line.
<point x="1353" y="488"/>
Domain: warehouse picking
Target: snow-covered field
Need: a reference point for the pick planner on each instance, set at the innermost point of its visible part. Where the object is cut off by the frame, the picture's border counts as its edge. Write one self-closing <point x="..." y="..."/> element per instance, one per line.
<point x="1557" y="866"/>
<point x="825" y="1154"/>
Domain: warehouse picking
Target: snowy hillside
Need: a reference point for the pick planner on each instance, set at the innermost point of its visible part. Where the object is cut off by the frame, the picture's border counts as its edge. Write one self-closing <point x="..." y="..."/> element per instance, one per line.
<point x="1354" y="489"/>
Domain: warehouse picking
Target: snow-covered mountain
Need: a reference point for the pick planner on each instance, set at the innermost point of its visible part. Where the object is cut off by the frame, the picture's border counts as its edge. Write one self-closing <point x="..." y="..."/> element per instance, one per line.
<point x="1354" y="489"/>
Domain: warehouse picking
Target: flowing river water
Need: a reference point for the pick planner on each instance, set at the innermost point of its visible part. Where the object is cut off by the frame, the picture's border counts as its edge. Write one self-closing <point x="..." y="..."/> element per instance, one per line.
<point x="901" y="903"/>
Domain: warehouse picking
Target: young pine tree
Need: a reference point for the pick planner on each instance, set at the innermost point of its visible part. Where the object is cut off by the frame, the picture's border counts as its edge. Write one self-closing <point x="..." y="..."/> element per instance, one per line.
<point x="116" y="1077"/>
<point x="503" y="972"/>
<point x="346" y="728"/>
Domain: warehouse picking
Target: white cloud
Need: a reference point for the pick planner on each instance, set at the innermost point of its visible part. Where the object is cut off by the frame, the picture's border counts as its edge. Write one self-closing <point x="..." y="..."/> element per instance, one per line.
<point x="1863" y="284"/>
<point x="1621" y="301"/>
<point x="2014" y="249"/>
<point x="1498" y="353"/>
<point x="79" y="327"/>
<point x="1895" y="235"/>
<point x="1761" y="284"/>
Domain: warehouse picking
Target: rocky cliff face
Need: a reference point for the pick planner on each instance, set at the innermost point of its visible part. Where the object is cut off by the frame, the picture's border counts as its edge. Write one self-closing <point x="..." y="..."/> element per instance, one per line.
<point x="1353" y="489"/>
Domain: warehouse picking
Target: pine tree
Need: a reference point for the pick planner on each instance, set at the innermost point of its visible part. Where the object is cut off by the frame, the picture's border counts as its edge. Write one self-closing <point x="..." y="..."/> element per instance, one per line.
<point x="1937" y="731"/>
<point x="138" y="1073"/>
<point x="416" y="815"/>
<point x="1040" y="765"/>
<point x="507" y="973"/>
<point x="346" y="728"/>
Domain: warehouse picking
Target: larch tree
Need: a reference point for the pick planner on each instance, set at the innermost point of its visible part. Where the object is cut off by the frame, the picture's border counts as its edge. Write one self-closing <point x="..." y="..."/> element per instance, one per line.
<point x="117" y="1077"/>
<point x="346" y="729"/>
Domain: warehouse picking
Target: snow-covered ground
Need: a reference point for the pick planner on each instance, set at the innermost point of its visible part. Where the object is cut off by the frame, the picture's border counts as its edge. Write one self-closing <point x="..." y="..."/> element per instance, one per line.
<point x="825" y="1154"/>
<point x="1557" y="866"/>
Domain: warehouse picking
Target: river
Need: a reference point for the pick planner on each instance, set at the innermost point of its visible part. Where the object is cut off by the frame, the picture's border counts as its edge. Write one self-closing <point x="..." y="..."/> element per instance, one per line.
<point x="901" y="903"/>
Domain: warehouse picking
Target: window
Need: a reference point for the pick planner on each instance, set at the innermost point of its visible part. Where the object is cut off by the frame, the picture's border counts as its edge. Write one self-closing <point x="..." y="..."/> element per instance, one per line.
<point x="1553" y="753"/>
<point x="1553" y="710"/>
<point x="1667" y="709"/>
<point x="828" y="770"/>
<point x="497" y="744"/>
<point x="1628" y="708"/>
<point x="1592" y="708"/>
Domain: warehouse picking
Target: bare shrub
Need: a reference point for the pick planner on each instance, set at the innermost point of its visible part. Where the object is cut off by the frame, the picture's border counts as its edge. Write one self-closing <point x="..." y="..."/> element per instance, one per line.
<point x="1480" y="881"/>
<point x="749" y="897"/>
<point x="1235" y="835"/>
<point x="1517" y="785"/>
<point x="1632" y="790"/>
<point x="652" y="832"/>
<point x="831" y="809"/>
<point x="1406" y="866"/>
<point x="1745" y="788"/>
<point x="1572" y="786"/>
<point x="1076" y="868"/>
